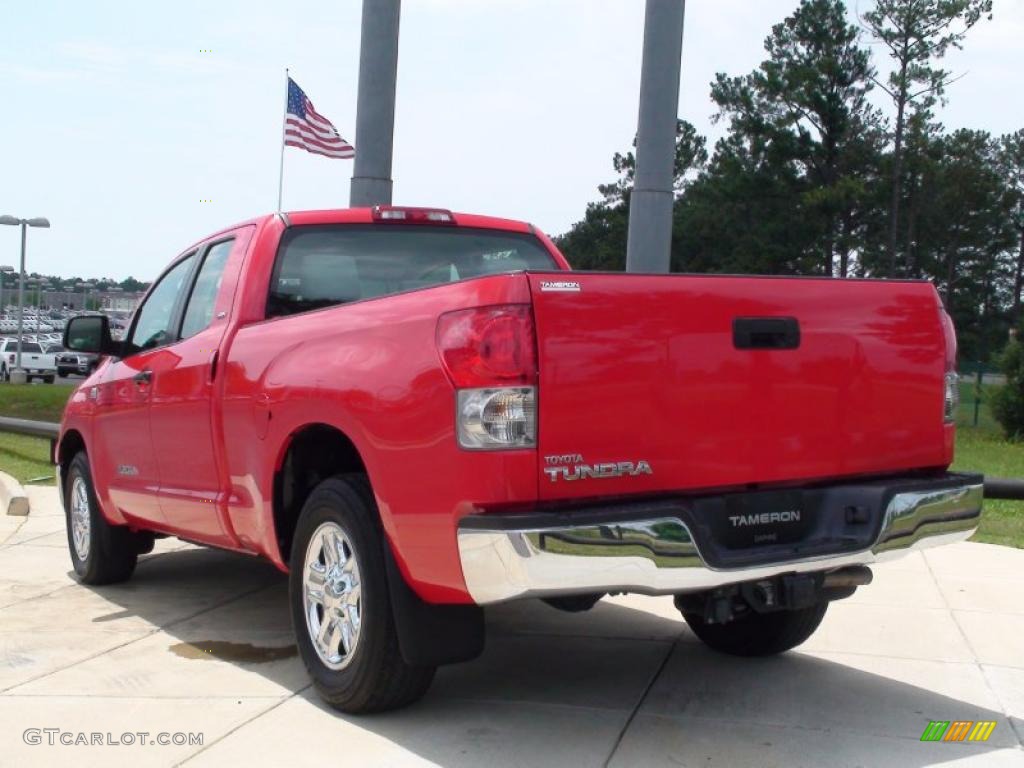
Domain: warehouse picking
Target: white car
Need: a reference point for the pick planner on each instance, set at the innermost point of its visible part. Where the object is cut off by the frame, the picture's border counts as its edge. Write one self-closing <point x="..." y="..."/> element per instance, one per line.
<point x="36" y="363"/>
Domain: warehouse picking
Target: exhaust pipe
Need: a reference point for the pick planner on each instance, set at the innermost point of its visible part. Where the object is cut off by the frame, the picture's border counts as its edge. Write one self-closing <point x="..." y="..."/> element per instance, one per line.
<point x="851" y="576"/>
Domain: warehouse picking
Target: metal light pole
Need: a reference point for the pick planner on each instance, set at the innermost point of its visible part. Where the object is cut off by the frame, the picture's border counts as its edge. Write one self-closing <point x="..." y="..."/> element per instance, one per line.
<point x="5" y="269"/>
<point x="18" y="374"/>
<point x="375" y="108"/>
<point x="649" y="244"/>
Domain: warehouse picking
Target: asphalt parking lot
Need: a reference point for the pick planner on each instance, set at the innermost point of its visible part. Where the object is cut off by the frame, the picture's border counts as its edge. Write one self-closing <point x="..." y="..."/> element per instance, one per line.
<point x="199" y="641"/>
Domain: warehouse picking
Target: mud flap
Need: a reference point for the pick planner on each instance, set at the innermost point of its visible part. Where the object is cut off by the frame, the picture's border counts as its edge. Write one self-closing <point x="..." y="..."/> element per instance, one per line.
<point x="432" y="635"/>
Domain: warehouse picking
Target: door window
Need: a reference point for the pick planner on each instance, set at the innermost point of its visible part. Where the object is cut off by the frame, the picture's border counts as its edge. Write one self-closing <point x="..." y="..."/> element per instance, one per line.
<point x="199" y="312"/>
<point x="153" y="321"/>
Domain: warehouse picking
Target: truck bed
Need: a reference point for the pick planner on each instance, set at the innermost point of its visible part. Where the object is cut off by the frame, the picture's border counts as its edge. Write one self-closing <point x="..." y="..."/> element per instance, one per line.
<point x="676" y="382"/>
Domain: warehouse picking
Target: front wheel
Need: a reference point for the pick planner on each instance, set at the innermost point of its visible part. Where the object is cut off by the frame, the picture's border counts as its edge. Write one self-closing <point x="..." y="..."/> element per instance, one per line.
<point x="759" y="634"/>
<point x="340" y="604"/>
<point x="101" y="553"/>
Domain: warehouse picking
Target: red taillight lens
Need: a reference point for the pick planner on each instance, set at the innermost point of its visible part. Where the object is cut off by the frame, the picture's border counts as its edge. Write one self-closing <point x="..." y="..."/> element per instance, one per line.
<point x="488" y="346"/>
<point x="949" y="334"/>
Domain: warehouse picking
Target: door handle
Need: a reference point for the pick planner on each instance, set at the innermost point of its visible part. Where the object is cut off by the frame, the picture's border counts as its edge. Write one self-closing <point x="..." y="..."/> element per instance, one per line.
<point x="143" y="377"/>
<point x="766" y="333"/>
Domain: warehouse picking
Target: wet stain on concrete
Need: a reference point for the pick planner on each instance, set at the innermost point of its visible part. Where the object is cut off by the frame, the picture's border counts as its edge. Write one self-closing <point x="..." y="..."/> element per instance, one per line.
<point x="227" y="651"/>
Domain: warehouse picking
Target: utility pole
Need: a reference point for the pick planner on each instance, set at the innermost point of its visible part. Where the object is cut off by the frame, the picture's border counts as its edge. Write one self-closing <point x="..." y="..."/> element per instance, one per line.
<point x="649" y="244"/>
<point x="375" y="109"/>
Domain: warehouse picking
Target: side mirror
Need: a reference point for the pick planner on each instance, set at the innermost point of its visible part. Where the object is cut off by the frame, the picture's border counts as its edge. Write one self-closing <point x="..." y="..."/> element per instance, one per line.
<point x="90" y="333"/>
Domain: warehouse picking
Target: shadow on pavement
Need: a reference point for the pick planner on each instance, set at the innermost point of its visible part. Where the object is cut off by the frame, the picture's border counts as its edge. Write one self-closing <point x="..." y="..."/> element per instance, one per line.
<point x="543" y="663"/>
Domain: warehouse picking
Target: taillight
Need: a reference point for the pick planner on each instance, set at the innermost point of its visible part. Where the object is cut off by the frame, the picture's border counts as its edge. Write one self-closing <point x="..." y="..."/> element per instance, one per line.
<point x="488" y="346"/>
<point x="490" y="356"/>
<point x="412" y="215"/>
<point x="951" y="382"/>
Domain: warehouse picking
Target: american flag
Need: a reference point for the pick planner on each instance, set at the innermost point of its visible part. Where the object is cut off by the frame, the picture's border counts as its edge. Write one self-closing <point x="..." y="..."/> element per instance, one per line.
<point x="307" y="129"/>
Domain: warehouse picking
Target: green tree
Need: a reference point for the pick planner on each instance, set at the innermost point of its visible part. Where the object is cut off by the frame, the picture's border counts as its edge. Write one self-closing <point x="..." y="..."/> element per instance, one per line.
<point x="1008" y="401"/>
<point x="599" y="240"/>
<point x="807" y="106"/>
<point x="1011" y="158"/>
<point x="964" y="234"/>
<point x="916" y="34"/>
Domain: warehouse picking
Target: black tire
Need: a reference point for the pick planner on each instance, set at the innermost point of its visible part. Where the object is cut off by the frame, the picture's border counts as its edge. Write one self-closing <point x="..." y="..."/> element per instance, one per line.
<point x="62" y="373"/>
<point x="112" y="550"/>
<point x="376" y="678"/>
<point x="759" y="634"/>
<point x="48" y="379"/>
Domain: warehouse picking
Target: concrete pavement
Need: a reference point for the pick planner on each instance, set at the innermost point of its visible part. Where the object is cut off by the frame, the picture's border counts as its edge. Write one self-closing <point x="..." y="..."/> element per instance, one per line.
<point x="199" y="642"/>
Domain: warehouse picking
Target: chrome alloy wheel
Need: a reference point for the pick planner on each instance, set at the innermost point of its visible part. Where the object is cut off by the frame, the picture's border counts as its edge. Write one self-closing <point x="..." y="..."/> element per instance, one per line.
<point x="80" y="520"/>
<point x="332" y="595"/>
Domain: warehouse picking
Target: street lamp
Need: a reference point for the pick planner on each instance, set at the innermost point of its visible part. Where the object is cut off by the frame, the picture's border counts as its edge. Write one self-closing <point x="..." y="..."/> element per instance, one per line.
<point x="5" y="269"/>
<point x="18" y="375"/>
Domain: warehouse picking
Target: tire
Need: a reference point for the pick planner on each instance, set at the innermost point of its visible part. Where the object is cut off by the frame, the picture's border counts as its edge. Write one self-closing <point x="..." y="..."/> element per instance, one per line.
<point x="371" y="676"/>
<point x="48" y="379"/>
<point x="62" y="373"/>
<point x="101" y="553"/>
<point x="759" y="634"/>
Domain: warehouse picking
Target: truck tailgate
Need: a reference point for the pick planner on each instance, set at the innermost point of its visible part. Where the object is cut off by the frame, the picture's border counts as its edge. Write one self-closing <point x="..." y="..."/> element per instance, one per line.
<point x="648" y="383"/>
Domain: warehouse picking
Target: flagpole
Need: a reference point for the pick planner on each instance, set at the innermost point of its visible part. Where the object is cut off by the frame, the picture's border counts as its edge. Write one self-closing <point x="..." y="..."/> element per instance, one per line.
<point x="284" y="124"/>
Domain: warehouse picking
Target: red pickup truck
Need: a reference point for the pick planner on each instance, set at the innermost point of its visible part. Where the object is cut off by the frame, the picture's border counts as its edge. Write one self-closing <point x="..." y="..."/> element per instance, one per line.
<point x="417" y="413"/>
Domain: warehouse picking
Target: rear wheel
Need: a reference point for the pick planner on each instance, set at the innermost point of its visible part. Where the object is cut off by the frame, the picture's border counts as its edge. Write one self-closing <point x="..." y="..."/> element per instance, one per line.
<point x="48" y="379"/>
<point x="759" y="634"/>
<point x="100" y="552"/>
<point x="341" y="607"/>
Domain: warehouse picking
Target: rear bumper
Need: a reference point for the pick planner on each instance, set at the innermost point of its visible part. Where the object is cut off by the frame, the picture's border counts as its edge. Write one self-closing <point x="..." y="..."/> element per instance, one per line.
<point x="670" y="546"/>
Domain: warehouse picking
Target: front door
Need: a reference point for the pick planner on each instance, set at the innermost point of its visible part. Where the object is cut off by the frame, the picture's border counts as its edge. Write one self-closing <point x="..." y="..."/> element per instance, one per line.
<point x="124" y="453"/>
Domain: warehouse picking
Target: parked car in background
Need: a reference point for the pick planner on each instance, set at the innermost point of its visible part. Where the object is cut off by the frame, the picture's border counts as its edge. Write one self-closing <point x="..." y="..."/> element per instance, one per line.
<point x="417" y="413"/>
<point x="82" y="363"/>
<point x="37" y="364"/>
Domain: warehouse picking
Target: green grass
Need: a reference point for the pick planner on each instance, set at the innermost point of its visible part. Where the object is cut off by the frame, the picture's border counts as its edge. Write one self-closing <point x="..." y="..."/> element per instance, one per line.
<point x="979" y="450"/>
<point x="26" y="458"/>
<point x="39" y="402"/>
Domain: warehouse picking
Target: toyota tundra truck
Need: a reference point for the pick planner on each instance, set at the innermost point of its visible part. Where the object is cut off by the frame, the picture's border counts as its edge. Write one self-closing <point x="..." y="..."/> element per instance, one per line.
<point x="417" y="414"/>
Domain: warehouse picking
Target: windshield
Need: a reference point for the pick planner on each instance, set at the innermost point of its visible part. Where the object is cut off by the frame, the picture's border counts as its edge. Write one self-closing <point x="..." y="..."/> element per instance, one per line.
<point x="320" y="266"/>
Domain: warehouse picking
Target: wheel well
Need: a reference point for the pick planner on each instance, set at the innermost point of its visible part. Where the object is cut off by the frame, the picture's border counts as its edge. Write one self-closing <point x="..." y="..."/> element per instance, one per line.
<point x="70" y="445"/>
<point x="315" y="453"/>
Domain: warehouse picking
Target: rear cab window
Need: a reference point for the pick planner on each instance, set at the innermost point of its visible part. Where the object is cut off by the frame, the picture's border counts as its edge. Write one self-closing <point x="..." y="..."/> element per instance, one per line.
<point x="325" y="265"/>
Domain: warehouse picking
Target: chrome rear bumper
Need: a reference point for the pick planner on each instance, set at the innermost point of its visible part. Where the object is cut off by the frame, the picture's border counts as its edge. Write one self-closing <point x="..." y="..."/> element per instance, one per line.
<point x="658" y="554"/>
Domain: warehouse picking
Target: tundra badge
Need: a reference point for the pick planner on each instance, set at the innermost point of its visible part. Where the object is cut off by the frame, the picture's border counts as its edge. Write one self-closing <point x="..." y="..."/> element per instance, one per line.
<point x="570" y="466"/>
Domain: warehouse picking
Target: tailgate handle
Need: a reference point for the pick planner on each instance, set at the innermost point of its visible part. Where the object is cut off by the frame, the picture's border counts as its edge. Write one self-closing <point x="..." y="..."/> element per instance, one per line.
<point x="765" y="333"/>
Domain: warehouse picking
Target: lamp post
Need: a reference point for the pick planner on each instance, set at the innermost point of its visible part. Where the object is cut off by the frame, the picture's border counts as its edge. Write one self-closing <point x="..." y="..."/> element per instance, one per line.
<point x="5" y="269"/>
<point x="18" y="374"/>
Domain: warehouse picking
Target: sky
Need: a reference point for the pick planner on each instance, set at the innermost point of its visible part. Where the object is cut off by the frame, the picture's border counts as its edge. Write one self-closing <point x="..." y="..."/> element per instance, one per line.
<point x="139" y="128"/>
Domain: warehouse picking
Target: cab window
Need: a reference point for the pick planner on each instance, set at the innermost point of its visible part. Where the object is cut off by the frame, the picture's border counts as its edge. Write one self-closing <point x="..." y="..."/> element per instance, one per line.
<point x="153" y="321"/>
<point x="322" y="266"/>
<point x="199" y="311"/>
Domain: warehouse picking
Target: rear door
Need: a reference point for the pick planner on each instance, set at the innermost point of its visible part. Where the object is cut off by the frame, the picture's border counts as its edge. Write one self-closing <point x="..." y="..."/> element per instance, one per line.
<point x="664" y="383"/>
<point x="182" y="416"/>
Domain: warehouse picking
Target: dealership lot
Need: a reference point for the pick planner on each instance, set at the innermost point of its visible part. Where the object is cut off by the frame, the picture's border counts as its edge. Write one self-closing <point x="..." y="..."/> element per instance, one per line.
<point x="199" y="642"/>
